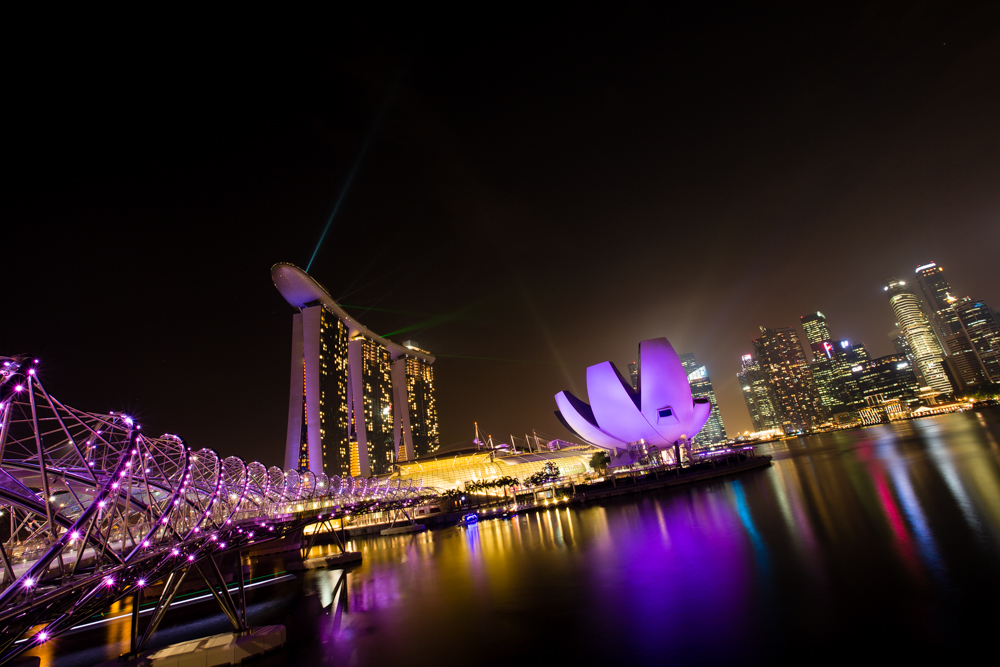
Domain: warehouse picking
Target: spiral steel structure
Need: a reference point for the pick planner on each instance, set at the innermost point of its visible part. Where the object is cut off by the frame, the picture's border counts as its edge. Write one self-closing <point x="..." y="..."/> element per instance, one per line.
<point x="93" y="510"/>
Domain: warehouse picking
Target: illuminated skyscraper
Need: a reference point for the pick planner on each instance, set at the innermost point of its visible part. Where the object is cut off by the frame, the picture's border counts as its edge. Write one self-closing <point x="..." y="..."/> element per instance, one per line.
<point x="358" y="402"/>
<point x="937" y="292"/>
<point x="980" y="326"/>
<point x="967" y="370"/>
<point x="633" y="374"/>
<point x="847" y="357"/>
<point x="757" y="394"/>
<point x="796" y="402"/>
<point x="814" y="324"/>
<point x="423" y="419"/>
<point x="319" y="362"/>
<point x="701" y="387"/>
<point x="887" y="378"/>
<point x="927" y="355"/>
<point x="374" y="385"/>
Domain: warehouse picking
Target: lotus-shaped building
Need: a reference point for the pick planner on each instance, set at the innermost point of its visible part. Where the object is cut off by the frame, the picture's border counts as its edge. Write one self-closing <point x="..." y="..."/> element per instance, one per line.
<point x="658" y="411"/>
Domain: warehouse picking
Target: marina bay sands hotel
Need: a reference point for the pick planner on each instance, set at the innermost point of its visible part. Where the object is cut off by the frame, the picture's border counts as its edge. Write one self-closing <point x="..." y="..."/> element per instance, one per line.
<point x="358" y="402"/>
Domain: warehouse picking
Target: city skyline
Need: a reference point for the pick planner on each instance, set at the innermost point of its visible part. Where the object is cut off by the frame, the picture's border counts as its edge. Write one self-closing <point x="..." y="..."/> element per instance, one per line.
<point x="518" y="199"/>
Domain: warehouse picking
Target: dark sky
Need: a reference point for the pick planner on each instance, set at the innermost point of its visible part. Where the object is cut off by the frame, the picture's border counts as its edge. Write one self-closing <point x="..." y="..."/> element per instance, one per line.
<point x="543" y="190"/>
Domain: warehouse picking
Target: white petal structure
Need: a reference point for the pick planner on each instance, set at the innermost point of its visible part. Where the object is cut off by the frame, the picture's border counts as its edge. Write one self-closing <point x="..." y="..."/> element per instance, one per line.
<point x="660" y="411"/>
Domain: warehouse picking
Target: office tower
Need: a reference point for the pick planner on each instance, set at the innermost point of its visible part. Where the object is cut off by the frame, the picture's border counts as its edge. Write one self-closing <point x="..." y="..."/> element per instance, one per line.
<point x="925" y="350"/>
<point x="701" y="387"/>
<point x="815" y="327"/>
<point x="796" y="402"/>
<point x="966" y="368"/>
<point x="937" y="293"/>
<point x="757" y="395"/>
<point x="848" y="356"/>
<point x="633" y="373"/>
<point x="887" y="378"/>
<point x="901" y="345"/>
<point x="357" y="402"/>
<point x="980" y="326"/>
<point x="825" y="378"/>
<point x="423" y="420"/>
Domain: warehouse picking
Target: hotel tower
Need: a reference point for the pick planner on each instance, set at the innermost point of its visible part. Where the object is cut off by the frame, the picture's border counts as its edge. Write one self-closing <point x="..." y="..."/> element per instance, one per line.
<point x="358" y="402"/>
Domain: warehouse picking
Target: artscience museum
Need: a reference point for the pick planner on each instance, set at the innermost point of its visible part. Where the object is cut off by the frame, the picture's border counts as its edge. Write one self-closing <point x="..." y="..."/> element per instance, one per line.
<point x="625" y="420"/>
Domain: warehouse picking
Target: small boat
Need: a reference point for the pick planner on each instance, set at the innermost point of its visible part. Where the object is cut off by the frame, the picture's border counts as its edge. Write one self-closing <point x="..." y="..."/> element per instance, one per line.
<point x="469" y="519"/>
<point x="508" y="514"/>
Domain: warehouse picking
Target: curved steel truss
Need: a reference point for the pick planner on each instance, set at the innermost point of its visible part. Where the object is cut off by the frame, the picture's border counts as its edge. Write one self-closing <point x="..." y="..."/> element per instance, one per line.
<point x="92" y="509"/>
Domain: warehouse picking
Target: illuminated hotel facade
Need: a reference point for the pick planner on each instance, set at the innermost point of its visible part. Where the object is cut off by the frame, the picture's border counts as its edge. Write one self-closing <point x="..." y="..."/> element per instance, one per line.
<point x="358" y="403"/>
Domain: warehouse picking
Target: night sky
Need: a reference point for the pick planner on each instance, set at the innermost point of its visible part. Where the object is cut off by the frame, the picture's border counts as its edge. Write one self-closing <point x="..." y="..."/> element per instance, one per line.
<point x="541" y="190"/>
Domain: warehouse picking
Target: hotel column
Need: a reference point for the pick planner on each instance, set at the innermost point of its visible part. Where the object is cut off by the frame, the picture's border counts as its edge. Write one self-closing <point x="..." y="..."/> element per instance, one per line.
<point x="401" y="408"/>
<point x="355" y="377"/>
<point x="293" y="441"/>
<point x="311" y="324"/>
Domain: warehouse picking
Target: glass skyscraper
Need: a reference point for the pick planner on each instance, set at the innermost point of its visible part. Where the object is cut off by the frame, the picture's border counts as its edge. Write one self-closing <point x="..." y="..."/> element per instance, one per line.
<point x="796" y="401"/>
<point x="757" y="395"/>
<point x="814" y="324"/>
<point x="701" y="387"/>
<point x="981" y="328"/>
<point x="937" y="292"/>
<point x="887" y="378"/>
<point x="927" y="355"/>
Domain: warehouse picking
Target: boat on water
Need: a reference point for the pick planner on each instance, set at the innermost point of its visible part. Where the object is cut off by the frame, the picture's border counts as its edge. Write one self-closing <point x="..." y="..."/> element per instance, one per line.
<point x="468" y="519"/>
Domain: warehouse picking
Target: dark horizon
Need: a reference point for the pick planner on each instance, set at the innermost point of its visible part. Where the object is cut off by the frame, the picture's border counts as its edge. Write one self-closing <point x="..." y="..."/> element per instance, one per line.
<point x="527" y="196"/>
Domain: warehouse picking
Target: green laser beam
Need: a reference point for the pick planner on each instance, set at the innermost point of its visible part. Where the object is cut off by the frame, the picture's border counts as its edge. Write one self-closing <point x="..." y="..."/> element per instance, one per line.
<point x="385" y="310"/>
<point x="520" y="361"/>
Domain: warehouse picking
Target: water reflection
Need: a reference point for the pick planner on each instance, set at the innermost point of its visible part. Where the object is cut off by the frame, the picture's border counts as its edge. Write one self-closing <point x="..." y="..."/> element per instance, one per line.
<point x="883" y="540"/>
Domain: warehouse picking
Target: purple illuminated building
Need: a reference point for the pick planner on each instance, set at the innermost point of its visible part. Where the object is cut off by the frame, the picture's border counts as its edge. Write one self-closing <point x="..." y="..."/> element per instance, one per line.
<point x="659" y="411"/>
<point x="358" y="402"/>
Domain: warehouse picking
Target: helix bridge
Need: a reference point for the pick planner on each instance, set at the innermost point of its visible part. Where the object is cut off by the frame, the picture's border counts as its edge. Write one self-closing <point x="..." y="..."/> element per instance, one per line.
<point x="95" y="511"/>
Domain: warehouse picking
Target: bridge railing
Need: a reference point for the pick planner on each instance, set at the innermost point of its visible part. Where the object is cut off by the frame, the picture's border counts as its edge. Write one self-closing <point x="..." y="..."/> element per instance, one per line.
<point x="94" y="509"/>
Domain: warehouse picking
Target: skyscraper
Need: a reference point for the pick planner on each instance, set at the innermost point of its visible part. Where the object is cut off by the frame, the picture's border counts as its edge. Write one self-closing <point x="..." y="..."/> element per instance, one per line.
<point x="796" y="402"/>
<point x="814" y="324"/>
<point x="318" y="420"/>
<point x="422" y="413"/>
<point x="966" y="368"/>
<point x="980" y="326"/>
<point x="357" y="402"/>
<point x="757" y="395"/>
<point x="701" y="387"/>
<point x="374" y="385"/>
<point x="847" y="357"/>
<point x="924" y="347"/>
<point x="887" y="378"/>
<point x="937" y="292"/>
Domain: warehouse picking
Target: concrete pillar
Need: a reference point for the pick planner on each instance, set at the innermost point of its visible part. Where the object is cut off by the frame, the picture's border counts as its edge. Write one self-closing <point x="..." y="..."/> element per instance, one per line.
<point x="355" y="377"/>
<point x="292" y="440"/>
<point x="401" y="408"/>
<point x="311" y="346"/>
